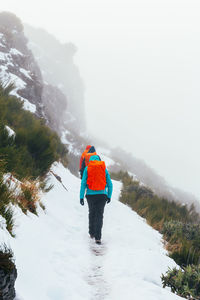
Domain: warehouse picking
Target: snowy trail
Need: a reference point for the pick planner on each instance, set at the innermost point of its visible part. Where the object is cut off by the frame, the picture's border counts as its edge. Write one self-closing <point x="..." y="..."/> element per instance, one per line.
<point x="56" y="260"/>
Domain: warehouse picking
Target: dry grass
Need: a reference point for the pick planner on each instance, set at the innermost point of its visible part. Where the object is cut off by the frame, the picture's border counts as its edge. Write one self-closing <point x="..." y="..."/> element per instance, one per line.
<point x="26" y="193"/>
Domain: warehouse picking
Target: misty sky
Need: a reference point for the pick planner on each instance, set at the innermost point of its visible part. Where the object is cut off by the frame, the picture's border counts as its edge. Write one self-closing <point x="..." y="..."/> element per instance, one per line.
<point x="140" y="61"/>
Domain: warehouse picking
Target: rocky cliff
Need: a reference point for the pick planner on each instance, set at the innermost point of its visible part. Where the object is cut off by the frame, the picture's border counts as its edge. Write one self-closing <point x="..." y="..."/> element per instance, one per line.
<point x="18" y="66"/>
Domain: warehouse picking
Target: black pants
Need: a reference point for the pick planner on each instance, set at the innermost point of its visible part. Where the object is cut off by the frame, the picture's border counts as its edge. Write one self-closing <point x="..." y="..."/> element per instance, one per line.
<point x="96" y="204"/>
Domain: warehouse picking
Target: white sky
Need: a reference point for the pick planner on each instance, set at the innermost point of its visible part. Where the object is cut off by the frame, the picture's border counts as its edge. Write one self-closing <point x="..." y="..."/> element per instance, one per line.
<point x="141" y="66"/>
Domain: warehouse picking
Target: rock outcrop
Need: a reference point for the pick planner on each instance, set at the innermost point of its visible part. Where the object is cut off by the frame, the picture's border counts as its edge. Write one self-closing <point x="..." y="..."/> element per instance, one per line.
<point x="7" y="283"/>
<point x="18" y="66"/>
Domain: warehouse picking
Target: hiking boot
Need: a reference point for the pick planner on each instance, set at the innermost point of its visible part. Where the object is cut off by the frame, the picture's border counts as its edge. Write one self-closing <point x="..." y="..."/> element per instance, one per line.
<point x="98" y="242"/>
<point x="91" y="236"/>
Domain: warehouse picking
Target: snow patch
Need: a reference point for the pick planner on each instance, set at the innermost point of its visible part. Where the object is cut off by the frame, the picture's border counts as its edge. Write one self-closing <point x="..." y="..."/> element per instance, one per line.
<point x="2" y="224"/>
<point x="25" y="72"/>
<point x="26" y="104"/>
<point x="10" y="64"/>
<point x="4" y="56"/>
<point x="133" y="175"/>
<point x="14" y="51"/>
<point x="2" y="38"/>
<point x="65" y="139"/>
<point x="29" y="106"/>
<point x="1" y="45"/>
<point x="10" y="131"/>
<point x="11" y="78"/>
<point x="4" y="74"/>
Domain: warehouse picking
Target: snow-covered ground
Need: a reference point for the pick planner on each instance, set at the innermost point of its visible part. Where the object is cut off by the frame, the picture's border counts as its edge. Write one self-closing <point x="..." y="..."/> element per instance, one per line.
<point x="56" y="260"/>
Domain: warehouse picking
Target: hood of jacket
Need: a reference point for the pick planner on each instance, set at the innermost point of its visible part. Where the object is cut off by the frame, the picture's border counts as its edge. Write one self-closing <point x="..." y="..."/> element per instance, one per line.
<point x="88" y="147"/>
<point x="95" y="157"/>
<point x="92" y="149"/>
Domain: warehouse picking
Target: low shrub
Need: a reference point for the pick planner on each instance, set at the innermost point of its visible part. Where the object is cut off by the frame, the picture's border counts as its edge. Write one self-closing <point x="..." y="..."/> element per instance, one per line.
<point x="183" y="282"/>
<point x="28" y="154"/>
<point x="183" y="241"/>
<point x="35" y="146"/>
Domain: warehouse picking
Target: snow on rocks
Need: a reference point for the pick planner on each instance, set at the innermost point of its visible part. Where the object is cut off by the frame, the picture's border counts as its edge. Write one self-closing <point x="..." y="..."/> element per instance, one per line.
<point x="1" y="45"/>
<point x="18" y="82"/>
<point x="2" y="40"/>
<point x="56" y="259"/>
<point x="3" y="56"/>
<point x="28" y="106"/>
<point x="14" y="51"/>
<point x="68" y="140"/>
<point x="8" y="77"/>
<point x="18" y="68"/>
<point x="25" y="72"/>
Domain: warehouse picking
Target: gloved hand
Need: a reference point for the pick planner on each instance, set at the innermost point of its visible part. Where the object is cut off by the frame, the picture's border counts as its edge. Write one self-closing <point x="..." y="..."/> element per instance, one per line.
<point x="108" y="200"/>
<point x="81" y="201"/>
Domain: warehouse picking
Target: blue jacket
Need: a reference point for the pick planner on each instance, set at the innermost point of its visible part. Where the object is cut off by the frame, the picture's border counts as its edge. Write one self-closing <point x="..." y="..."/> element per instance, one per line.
<point x="108" y="188"/>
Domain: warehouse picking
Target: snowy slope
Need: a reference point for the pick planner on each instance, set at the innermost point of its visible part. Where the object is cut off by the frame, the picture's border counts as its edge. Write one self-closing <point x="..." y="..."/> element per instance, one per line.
<point x="56" y="260"/>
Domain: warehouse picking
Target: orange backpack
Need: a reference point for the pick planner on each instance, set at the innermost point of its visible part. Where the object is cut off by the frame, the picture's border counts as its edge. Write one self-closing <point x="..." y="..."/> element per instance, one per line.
<point x="87" y="157"/>
<point x="96" y="179"/>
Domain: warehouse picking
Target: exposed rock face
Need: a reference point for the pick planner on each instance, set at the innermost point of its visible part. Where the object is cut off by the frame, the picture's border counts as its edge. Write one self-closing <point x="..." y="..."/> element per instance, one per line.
<point x="18" y="66"/>
<point x="7" y="282"/>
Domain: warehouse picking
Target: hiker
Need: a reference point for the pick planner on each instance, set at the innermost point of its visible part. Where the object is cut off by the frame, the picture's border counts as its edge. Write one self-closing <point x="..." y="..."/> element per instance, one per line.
<point x="84" y="161"/>
<point x="83" y="156"/>
<point x="98" y="185"/>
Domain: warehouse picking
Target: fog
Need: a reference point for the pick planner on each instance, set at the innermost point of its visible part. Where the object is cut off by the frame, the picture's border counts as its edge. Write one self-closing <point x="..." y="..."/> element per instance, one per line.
<point x="141" y="67"/>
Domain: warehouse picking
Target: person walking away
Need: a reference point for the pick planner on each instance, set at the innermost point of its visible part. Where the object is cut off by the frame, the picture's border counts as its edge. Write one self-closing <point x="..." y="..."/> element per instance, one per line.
<point x="83" y="156"/>
<point x="86" y="159"/>
<point x="98" y="186"/>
